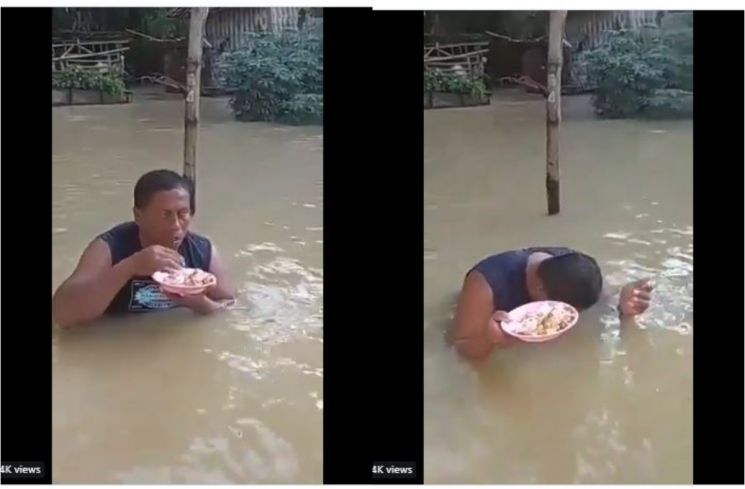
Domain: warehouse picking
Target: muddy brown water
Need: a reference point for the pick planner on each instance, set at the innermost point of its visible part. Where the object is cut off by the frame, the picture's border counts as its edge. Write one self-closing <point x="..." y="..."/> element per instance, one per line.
<point x="602" y="404"/>
<point x="169" y="397"/>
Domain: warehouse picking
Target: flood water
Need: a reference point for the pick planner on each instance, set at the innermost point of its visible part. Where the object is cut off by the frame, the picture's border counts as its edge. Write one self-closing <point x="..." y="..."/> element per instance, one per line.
<point x="601" y="404"/>
<point x="170" y="397"/>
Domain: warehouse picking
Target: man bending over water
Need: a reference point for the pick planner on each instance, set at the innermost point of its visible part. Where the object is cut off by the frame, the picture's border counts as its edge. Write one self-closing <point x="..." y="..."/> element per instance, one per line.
<point x="113" y="275"/>
<point x="505" y="281"/>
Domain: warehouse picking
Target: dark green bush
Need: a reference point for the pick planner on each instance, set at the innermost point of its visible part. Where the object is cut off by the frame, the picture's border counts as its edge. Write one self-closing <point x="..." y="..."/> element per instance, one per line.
<point x="277" y="77"/>
<point x="110" y="83"/>
<point x="669" y="103"/>
<point x="643" y="73"/>
<point x="446" y="81"/>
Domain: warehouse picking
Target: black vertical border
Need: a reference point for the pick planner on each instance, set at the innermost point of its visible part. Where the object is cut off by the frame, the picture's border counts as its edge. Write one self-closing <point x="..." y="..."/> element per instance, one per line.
<point x="718" y="196"/>
<point x="373" y="227"/>
<point x="26" y="251"/>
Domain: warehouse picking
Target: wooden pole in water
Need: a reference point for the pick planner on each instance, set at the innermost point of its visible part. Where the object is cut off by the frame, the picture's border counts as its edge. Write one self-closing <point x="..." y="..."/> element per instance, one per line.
<point x="553" y="107"/>
<point x="191" y="111"/>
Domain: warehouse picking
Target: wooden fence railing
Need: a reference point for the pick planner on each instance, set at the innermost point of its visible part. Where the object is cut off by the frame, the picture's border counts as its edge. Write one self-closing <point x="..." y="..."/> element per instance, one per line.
<point x="466" y="58"/>
<point x="104" y="56"/>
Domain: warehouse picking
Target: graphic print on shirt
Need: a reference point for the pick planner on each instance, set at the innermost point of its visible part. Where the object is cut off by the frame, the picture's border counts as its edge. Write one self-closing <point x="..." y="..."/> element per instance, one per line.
<point x="145" y="295"/>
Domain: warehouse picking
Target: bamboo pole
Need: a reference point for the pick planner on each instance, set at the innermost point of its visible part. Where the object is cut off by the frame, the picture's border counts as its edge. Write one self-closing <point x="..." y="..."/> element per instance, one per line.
<point x="191" y="112"/>
<point x="553" y="107"/>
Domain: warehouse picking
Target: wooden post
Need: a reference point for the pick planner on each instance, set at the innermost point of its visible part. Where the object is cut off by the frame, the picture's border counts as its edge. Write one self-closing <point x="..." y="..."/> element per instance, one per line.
<point x="553" y="107"/>
<point x="191" y="111"/>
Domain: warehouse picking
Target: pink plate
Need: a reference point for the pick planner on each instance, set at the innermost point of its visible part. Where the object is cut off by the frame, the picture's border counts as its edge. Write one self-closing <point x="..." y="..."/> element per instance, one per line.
<point x="519" y="315"/>
<point x="173" y="282"/>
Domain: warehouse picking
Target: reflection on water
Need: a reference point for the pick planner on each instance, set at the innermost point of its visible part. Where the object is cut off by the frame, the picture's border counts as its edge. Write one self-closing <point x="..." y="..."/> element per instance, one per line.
<point x="605" y="403"/>
<point x="174" y="398"/>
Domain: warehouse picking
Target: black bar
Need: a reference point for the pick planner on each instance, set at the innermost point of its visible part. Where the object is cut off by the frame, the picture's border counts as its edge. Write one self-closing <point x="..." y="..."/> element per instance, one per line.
<point x="26" y="250"/>
<point x="718" y="193"/>
<point x="373" y="234"/>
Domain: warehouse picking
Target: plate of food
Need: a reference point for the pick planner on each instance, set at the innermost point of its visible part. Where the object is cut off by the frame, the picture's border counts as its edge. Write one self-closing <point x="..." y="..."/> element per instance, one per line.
<point x="541" y="321"/>
<point x="185" y="281"/>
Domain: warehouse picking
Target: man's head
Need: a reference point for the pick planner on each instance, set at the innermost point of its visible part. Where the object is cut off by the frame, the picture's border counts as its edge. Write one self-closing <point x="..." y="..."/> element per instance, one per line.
<point x="162" y="207"/>
<point x="573" y="278"/>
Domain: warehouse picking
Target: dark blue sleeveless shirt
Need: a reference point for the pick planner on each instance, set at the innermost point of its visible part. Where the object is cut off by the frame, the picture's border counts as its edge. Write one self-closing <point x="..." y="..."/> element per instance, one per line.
<point x="142" y="294"/>
<point x="505" y="274"/>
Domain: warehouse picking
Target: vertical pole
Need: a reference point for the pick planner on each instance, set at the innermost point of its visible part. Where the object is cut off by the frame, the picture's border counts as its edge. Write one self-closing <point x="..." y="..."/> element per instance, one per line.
<point x="191" y="110"/>
<point x="553" y="107"/>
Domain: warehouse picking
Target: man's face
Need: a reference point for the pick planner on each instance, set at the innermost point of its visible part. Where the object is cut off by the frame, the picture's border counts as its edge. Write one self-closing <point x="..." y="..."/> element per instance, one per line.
<point x="165" y="219"/>
<point x="537" y="292"/>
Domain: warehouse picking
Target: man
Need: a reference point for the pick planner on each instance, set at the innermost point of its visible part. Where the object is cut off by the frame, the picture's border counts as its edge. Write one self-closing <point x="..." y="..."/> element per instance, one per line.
<point x="505" y="281"/>
<point x="113" y="275"/>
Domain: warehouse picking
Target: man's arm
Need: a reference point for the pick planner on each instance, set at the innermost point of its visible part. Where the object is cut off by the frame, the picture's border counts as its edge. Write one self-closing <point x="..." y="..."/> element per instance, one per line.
<point x="630" y="300"/>
<point x="224" y="289"/>
<point x="87" y="293"/>
<point x="476" y="334"/>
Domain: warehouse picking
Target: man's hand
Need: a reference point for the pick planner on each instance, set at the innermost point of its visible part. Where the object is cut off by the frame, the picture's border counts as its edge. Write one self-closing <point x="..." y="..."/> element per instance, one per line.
<point x="199" y="303"/>
<point x="496" y="334"/>
<point x="155" y="258"/>
<point x="635" y="297"/>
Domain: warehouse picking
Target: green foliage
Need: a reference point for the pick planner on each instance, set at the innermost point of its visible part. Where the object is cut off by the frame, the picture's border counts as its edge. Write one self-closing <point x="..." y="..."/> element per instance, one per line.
<point x="669" y="103"/>
<point x="277" y="77"/>
<point x="304" y="108"/>
<point x="155" y="22"/>
<point x="446" y="81"/>
<point x="643" y="74"/>
<point x="109" y="83"/>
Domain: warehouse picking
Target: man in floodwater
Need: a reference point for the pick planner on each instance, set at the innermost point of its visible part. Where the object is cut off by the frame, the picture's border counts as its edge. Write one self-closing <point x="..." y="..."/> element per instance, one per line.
<point x="113" y="274"/>
<point x="507" y="280"/>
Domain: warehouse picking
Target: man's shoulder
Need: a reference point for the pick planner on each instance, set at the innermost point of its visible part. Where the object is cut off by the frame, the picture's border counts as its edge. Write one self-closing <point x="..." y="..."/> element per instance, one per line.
<point x="125" y="229"/>
<point x="502" y="255"/>
<point x="123" y="240"/>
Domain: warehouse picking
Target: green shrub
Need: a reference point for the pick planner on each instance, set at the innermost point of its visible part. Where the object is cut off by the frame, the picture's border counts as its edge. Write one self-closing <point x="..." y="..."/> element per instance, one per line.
<point x="110" y="83"/>
<point x="669" y="103"/>
<point x="277" y="77"/>
<point x="446" y="81"/>
<point x="643" y="73"/>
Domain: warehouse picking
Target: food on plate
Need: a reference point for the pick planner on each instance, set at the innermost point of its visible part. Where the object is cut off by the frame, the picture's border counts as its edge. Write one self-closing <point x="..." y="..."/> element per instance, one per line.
<point x="548" y="320"/>
<point x="186" y="277"/>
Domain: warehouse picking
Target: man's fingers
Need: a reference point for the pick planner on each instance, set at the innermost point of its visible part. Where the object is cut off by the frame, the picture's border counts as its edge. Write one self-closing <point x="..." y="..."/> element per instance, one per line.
<point x="174" y="263"/>
<point x="632" y="303"/>
<point x="173" y="255"/>
<point x="636" y="306"/>
<point x="642" y="295"/>
<point x="646" y="284"/>
<point x="501" y="316"/>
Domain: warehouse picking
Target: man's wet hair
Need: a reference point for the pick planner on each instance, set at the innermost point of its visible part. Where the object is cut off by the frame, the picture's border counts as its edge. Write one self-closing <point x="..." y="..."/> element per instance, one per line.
<point x="573" y="278"/>
<point x="156" y="181"/>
